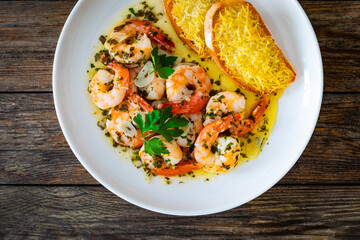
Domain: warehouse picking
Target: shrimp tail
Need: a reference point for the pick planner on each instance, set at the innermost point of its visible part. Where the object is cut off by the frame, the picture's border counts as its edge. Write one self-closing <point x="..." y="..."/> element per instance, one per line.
<point x="179" y="108"/>
<point x="136" y="99"/>
<point x="180" y="168"/>
<point x="187" y="107"/>
<point x="225" y="123"/>
<point x="155" y="34"/>
<point x="162" y="39"/>
<point x="247" y="125"/>
<point x="212" y="130"/>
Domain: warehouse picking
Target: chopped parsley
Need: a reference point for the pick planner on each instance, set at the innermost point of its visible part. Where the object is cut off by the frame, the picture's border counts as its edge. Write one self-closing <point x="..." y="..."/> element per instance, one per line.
<point x="131" y="10"/>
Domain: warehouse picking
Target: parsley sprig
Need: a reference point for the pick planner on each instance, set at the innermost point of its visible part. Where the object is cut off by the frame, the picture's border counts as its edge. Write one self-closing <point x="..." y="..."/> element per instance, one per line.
<point x="162" y="63"/>
<point x="159" y="122"/>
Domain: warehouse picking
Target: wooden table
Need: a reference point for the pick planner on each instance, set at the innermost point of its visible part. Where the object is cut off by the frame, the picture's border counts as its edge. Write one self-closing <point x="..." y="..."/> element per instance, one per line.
<point x="46" y="193"/>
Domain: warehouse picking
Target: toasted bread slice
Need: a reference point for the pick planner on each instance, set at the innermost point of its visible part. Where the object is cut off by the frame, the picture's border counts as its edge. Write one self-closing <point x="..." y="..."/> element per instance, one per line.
<point x="187" y="18"/>
<point x="243" y="47"/>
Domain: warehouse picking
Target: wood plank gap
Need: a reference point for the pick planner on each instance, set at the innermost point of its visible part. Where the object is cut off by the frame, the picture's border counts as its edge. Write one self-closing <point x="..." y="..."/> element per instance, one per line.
<point x="287" y="184"/>
<point x="95" y="213"/>
<point x="25" y="92"/>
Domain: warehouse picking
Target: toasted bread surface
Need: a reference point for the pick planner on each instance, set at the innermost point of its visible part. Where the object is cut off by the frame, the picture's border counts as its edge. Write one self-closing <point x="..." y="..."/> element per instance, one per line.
<point x="187" y="17"/>
<point x="243" y="47"/>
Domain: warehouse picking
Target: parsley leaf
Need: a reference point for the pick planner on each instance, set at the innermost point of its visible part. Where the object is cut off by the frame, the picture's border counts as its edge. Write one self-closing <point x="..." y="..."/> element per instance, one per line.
<point x="162" y="63"/>
<point x="155" y="56"/>
<point x="167" y="60"/>
<point x="165" y="72"/>
<point x="159" y="122"/>
<point x="170" y="128"/>
<point x="138" y="119"/>
<point x="165" y="113"/>
<point x="132" y="11"/>
<point x="155" y="147"/>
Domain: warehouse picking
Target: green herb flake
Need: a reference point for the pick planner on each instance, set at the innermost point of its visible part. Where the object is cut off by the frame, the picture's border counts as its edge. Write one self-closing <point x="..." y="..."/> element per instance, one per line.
<point x="214" y="149"/>
<point x="97" y="57"/>
<point x="124" y="108"/>
<point x="105" y="112"/>
<point x="102" y="39"/>
<point x="131" y="10"/>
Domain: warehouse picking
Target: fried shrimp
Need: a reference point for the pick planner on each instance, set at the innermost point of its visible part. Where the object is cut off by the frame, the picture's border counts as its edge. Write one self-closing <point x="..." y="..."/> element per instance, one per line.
<point x="222" y="104"/>
<point x="120" y="121"/>
<point x="188" y="89"/>
<point x="108" y="90"/>
<point x="214" y="153"/>
<point x="130" y="42"/>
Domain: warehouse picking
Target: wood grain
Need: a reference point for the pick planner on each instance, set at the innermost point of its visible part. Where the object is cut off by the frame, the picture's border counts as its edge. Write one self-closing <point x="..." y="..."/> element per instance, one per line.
<point x="45" y="193"/>
<point x="34" y="151"/>
<point x="28" y="41"/>
<point x="32" y="146"/>
<point x="29" y="32"/>
<point x="337" y="27"/>
<point x="297" y="212"/>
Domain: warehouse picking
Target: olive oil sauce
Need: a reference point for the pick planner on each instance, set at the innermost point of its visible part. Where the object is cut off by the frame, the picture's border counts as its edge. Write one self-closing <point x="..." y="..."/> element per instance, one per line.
<point x="251" y="144"/>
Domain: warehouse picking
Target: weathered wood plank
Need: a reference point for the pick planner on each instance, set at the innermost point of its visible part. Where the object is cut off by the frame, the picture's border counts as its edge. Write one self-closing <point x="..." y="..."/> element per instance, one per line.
<point x="34" y="151"/>
<point x="28" y="41"/>
<point x="334" y="149"/>
<point x="33" y="148"/>
<point x="29" y="31"/>
<point x="284" y="212"/>
<point x="337" y="27"/>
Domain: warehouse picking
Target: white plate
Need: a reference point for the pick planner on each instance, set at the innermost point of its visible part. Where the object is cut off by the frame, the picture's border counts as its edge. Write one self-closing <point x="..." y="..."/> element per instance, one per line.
<point x="297" y="115"/>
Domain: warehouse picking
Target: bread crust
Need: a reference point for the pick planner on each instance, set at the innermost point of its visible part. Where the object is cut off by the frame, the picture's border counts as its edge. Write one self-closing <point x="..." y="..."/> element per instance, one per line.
<point x="210" y="19"/>
<point x="168" y="4"/>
